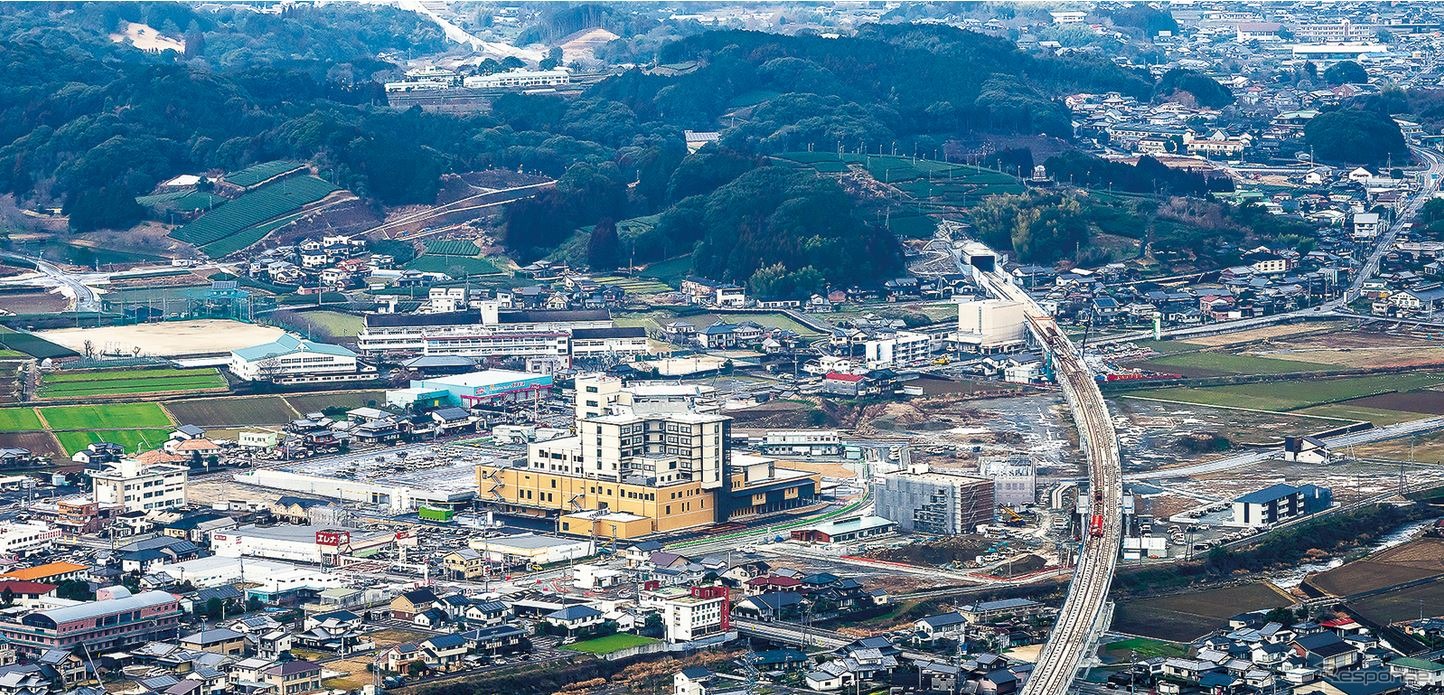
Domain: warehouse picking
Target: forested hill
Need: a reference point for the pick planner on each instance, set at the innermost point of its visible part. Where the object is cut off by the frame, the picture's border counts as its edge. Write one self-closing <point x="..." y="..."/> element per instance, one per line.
<point x="90" y="122"/>
<point x="891" y="81"/>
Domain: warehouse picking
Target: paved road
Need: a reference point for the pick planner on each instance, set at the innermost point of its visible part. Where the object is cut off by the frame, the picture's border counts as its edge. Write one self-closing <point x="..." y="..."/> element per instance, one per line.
<point x="83" y="297"/>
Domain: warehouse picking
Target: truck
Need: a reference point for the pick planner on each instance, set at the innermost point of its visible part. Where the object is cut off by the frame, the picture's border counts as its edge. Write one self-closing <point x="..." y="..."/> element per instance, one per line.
<point x="438" y="514"/>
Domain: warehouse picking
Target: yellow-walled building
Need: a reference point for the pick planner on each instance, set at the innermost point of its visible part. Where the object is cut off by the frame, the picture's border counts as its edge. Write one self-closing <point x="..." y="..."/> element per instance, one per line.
<point x="630" y="472"/>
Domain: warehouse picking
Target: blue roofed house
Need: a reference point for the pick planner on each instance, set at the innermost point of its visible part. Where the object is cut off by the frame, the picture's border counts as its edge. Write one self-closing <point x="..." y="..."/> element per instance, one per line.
<point x="949" y="625"/>
<point x="1326" y="651"/>
<point x="693" y="680"/>
<point x="444" y="652"/>
<point x="575" y="617"/>
<point x="292" y="357"/>
<point x="497" y="638"/>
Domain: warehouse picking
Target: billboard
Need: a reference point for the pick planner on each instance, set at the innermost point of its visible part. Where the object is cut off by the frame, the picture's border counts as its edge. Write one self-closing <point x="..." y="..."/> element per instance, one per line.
<point x="333" y="538"/>
<point x="494" y="389"/>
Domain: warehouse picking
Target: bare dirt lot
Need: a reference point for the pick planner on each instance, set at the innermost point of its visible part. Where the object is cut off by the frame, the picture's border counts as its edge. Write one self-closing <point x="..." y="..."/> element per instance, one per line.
<point x="1431" y="402"/>
<point x="146" y="38"/>
<point x="168" y="339"/>
<point x="943" y="551"/>
<point x="1157" y="434"/>
<point x="33" y="302"/>
<point x="1404" y="604"/>
<point x="1414" y="560"/>
<point x="42" y="443"/>
<point x="965" y="387"/>
<point x="828" y="470"/>
<point x="1423" y="448"/>
<point x="1353" y="349"/>
<point x="1350" y="481"/>
<point x="1256" y="334"/>
<point x="1185" y="617"/>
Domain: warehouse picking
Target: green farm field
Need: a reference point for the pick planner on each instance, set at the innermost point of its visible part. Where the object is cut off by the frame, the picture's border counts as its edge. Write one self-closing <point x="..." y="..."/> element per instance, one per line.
<point x="771" y="320"/>
<point x="639" y="285"/>
<point x="30" y="344"/>
<point x="1143" y="648"/>
<point x="1350" y="411"/>
<point x="134" y="441"/>
<point x="669" y="272"/>
<point x="107" y="416"/>
<point x="247" y="236"/>
<point x="1296" y="394"/>
<point x="130" y="382"/>
<point x="261" y="171"/>
<point x="253" y="208"/>
<point x="452" y="247"/>
<point x="19" y="420"/>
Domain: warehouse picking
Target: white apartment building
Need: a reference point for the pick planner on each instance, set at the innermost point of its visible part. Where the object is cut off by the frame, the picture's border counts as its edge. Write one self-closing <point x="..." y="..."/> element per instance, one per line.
<point x="1272" y="265"/>
<point x="487" y="331"/>
<point x="802" y="443"/>
<point x="486" y="344"/>
<point x="689" y="617"/>
<point x="20" y="537"/>
<point x="448" y="299"/>
<point x="140" y="488"/>
<point x="897" y="349"/>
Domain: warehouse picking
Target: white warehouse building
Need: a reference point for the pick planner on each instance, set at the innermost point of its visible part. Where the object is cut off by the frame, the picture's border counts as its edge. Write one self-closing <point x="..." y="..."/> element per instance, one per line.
<point x="291" y="356"/>
<point x="992" y="325"/>
<point x="304" y="543"/>
<point x="529" y="548"/>
<point x="802" y="443"/>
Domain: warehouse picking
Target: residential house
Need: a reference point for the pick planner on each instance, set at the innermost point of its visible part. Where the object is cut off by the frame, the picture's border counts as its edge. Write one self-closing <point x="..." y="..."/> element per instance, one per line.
<point x="949" y="625"/>
<point x="779" y="605"/>
<point x="575" y="617"/>
<point x="218" y="640"/>
<point x="1326" y="651"/>
<point x="293" y="677"/>
<point x="408" y="604"/>
<point x="445" y="652"/>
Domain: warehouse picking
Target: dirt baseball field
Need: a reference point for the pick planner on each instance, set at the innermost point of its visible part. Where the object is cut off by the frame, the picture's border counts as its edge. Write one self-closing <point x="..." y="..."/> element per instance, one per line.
<point x="167" y="339"/>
